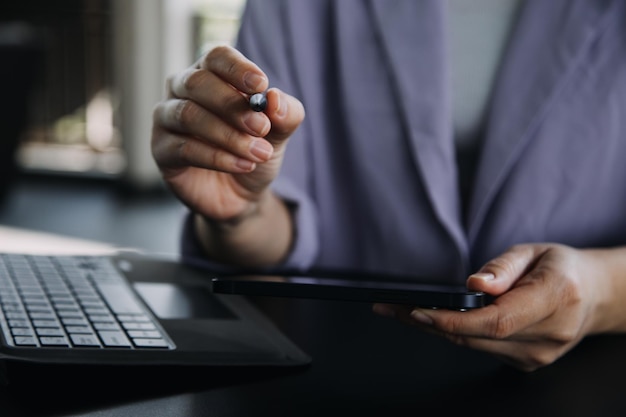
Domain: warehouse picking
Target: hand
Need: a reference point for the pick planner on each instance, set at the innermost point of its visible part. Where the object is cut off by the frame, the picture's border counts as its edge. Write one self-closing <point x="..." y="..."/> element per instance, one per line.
<point x="216" y="154"/>
<point x="548" y="298"/>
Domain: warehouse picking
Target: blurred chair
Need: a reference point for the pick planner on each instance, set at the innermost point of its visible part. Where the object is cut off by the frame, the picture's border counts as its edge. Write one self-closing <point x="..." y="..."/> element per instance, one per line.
<point x="21" y="61"/>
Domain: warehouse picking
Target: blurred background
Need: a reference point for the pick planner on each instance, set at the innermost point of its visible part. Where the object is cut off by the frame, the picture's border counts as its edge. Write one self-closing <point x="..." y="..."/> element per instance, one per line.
<point x="82" y="78"/>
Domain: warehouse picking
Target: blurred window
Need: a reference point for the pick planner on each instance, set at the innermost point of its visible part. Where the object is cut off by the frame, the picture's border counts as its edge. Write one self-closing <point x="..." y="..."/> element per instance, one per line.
<point x="74" y="114"/>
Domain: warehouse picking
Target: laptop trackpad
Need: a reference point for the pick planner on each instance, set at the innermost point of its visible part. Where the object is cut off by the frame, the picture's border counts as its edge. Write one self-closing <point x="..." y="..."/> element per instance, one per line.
<point x="173" y="301"/>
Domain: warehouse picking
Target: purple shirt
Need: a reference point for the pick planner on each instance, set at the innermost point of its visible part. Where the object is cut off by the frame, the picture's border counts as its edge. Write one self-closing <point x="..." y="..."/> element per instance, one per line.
<point x="372" y="171"/>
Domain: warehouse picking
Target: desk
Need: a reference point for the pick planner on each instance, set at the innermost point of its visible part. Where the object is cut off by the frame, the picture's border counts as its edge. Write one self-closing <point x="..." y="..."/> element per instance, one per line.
<point x="363" y="365"/>
<point x="17" y="240"/>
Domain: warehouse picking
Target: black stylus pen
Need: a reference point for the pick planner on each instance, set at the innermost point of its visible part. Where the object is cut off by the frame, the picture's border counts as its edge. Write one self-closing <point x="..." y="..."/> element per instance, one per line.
<point x="258" y="101"/>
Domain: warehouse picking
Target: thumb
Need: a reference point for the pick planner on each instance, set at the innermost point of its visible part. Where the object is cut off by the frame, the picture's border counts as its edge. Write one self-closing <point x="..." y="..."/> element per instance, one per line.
<point x="285" y="113"/>
<point x="499" y="274"/>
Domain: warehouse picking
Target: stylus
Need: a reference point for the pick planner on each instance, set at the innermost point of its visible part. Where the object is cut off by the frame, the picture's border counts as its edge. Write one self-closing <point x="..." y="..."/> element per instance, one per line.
<point x="258" y="101"/>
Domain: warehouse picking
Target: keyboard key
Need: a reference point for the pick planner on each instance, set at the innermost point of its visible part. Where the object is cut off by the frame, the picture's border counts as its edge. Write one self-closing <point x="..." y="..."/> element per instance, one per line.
<point x="138" y="326"/>
<point x="145" y="334"/>
<point x="31" y="303"/>
<point x="150" y="343"/>
<point x="35" y="299"/>
<point x="66" y="305"/>
<point x="114" y="338"/>
<point x="50" y="332"/>
<point x="84" y="340"/>
<point x="133" y="317"/>
<point x="69" y="321"/>
<point x="59" y="292"/>
<point x="53" y="341"/>
<point x="42" y="308"/>
<point x="91" y="296"/>
<point x="94" y="310"/>
<point x="41" y="315"/>
<point x="45" y="323"/>
<point x="99" y="318"/>
<point x="92" y="304"/>
<point x="25" y="341"/>
<point x="19" y="323"/>
<point x="20" y="331"/>
<point x="58" y="298"/>
<point x="15" y="316"/>
<point x="76" y="314"/>
<point x="106" y="326"/>
<point x="78" y="329"/>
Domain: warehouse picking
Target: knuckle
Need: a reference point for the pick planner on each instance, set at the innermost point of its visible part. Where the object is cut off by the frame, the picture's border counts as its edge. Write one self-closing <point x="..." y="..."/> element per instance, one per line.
<point x="232" y="139"/>
<point x="451" y="325"/>
<point x="233" y="101"/>
<point x="188" y="153"/>
<point x="216" y="52"/>
<point x="538" y="358"/>
<point x="232" y="67"/>
<point x="564" y="336"/>
<point x="457" y="339"/>
<point x="215" y="159"/>
<point x="186" y="112"/>
<point x="194" y="79"/>
<point x="184" y="150"/>
<point x="220" y="57"/>
<point x="500" y="328"/>
<point x="503" y="264"/>
<point x="210" y="57"/>
<point x="220" y="160"/>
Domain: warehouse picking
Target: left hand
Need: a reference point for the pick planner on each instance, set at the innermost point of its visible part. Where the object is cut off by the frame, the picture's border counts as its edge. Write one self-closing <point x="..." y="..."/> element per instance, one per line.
<point x="548" y="297"/>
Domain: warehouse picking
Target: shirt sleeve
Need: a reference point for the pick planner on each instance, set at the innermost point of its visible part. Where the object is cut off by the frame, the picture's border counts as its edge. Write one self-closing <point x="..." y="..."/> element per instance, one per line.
<point x="302" y="253"/>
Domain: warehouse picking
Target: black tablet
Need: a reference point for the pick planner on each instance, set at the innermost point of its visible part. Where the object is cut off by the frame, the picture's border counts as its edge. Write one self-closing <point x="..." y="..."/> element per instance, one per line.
<point x="371" y="289"/>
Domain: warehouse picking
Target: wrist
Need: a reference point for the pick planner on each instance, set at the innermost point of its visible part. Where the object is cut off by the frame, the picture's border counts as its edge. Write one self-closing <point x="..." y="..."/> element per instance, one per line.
<point x="262" y="236"/>
<point x="231" y="224"/>
<point x="608" y="278"/>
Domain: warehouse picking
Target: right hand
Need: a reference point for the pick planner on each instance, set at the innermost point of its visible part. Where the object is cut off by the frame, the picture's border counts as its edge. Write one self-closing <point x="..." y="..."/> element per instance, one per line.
<point x="216" y="154"/>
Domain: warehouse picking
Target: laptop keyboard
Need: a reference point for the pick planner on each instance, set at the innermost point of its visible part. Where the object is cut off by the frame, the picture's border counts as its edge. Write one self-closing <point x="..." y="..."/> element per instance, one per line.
<point x="73" y="302"/>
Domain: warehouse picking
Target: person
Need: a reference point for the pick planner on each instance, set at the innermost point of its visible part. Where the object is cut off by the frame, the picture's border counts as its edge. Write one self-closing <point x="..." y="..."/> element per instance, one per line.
<point x="374" y="178"/>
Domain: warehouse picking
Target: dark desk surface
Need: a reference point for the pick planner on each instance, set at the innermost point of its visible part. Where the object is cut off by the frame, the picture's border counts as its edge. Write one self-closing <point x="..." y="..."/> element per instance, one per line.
<point x="362" y="365"/>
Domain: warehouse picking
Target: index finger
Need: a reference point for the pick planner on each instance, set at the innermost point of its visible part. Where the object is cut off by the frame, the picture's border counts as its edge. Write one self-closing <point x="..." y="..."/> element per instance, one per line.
<point x="233" y="67"/>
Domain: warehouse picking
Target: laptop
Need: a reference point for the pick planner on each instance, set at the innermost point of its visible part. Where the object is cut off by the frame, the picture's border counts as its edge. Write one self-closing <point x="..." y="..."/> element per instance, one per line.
<point x="129" y="309"/>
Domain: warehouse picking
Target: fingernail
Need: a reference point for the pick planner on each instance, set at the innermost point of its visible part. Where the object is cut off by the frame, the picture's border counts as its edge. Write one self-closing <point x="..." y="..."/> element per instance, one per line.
<point x="384" y="311"/>
<point x="281" y="106"/>
<point x="261" y="149"/>
<point x="255" y="122"/>
<point x="253" y="81"/>
<point x="421" y="317"/>
<point x="483" y="276"/>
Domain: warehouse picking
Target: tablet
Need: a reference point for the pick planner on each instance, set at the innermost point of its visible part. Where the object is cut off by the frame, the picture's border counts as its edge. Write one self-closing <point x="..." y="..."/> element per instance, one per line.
<point x="370" y="289"/>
